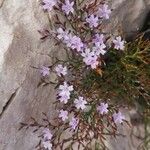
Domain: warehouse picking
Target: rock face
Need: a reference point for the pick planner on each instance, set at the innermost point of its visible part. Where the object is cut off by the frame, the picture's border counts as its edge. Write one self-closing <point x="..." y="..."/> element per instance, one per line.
<point x="128" y="16"/>
<point x="20" y="49"/>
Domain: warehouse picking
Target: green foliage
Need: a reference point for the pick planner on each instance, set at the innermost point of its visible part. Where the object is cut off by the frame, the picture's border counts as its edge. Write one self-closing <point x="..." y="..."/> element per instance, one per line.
<point x="125" y="77"/>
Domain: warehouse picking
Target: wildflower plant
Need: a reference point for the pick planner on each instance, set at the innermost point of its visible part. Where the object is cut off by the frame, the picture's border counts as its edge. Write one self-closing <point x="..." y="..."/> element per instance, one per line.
<point x="100" y="72"/>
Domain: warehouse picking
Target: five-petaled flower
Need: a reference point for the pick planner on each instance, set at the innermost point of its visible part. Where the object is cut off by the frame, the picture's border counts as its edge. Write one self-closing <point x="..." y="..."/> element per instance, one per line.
<point x="91" y="61"/>
<point x="80" y="103"/>
<point x="74" y="123"/>
<point x="98" y="39"/>
<point x="47" y="145"/>
<point x="61" y="34"/>
<point x="99" y="49"/>
<point x="93" y="21"/>
<point x="47" y="135"/>
<point x="63" y="114"/>
<point x="76" y="43"/>
<point x="118" y="117"/>
<point x="68" y="7"/>
<point x="87" y="52"/>
<point x="65" y="89"/>
<point x="64" y="98"/>
<point x="60" y="70"/>
<point x="104" y="11"/>
<point x="119" y="44"/>
<point x="64" y="92"/>
<point x="45" y="71"/>
<point x="103" y="108"/>
<point x="68" y="40"/>
<point x="49" y="4"/>
<point x="90" y="58"/>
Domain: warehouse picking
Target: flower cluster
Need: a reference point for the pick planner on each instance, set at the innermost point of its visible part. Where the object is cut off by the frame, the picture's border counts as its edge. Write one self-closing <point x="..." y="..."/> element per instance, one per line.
<point x="77" y="110"/>
<point x="90" y="55"/>
<point x="91" y="51"/>
<point x="67" y="7"/>
<point x="80" y="103"/>
<point x="72" y="41"/>
<point x="64" y="92"/>
<point x="117" y="117"/>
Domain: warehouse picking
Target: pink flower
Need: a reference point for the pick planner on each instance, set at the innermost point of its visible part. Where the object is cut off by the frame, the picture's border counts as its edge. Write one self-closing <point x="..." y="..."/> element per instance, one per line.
<point x="102" y="108"/>
<point x="80" y="103"/>
<point x="118" y="117"/>
<point x="63" y="115"/>
<point x="47" y="145"/>
<point x="73" y="42"/>
<point x="44" y="71"/>
<point x="74" y="123"/>
<point x="76" y="43"/>
<point x="49" y="4"/>
<point x="68" y="40"/>
<point x="92" y="20"/>
<point x="99" y="39"/>
<point x="118" y="43"/>
<point x="47" y="134"/>
<point x="62" y="35"/>
<point x="65" y="88"/>
<point x="64" y="92"/>
<point x="68" y="7"/>
<point x="90" y="59"/>
<point x="104" y="11"/>
<point x="87" y="52"/>
<point x="60" y="70"/>
<point x="64" y="98"/>
<point x="93" y="62"/>
<point x="99" y="49"/>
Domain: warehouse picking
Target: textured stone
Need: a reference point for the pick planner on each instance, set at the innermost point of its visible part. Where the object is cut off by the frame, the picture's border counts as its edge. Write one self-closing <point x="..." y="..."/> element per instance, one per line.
<point x="20" y="49"/>
<point x="128" y="16"/>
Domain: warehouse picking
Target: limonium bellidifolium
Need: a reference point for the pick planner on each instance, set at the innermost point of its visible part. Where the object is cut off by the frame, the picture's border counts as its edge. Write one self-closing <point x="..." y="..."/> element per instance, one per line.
<point x="84" y="114"/>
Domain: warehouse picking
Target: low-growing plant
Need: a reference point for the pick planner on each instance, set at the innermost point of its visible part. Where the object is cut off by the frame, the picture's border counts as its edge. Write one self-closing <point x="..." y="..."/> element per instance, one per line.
<point x="101" y="75"/>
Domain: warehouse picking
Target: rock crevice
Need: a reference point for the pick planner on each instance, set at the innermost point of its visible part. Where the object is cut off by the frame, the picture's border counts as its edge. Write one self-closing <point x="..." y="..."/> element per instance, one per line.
<point x="12" y="97"/>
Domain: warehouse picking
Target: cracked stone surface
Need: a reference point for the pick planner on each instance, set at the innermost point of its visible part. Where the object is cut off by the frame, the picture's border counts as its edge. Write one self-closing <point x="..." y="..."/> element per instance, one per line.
<point x="21" y="48"/>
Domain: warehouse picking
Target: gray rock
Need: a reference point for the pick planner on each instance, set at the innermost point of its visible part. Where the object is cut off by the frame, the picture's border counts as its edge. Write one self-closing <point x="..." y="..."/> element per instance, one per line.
<point x="20" y="48"/>
<point x="128" y="16"/>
